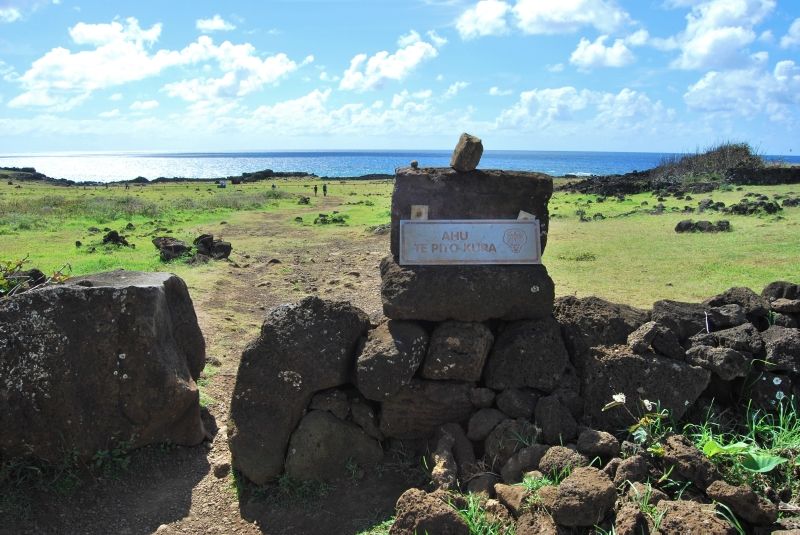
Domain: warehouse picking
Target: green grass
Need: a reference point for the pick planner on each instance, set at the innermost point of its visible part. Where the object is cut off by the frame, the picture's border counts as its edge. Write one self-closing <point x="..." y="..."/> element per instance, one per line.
<point x="478" y="521"/>
<point x="639" y="258"/>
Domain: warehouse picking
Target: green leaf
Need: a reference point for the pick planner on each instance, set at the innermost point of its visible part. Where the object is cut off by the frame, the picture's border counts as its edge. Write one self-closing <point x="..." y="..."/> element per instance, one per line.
<point x="712" y="448"/>
<point x="761" y="462"/>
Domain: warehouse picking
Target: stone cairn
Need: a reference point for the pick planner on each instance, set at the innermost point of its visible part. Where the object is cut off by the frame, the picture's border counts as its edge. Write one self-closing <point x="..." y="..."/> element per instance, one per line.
<point x="480" y="367"/>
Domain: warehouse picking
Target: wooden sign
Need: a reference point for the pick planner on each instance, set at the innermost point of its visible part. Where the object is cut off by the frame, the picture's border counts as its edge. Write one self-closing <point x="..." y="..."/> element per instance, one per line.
<point x="472" y="241"/>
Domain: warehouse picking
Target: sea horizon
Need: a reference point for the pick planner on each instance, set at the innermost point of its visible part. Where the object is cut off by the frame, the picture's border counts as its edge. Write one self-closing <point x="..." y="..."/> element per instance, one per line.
<point x="113" y="166"/>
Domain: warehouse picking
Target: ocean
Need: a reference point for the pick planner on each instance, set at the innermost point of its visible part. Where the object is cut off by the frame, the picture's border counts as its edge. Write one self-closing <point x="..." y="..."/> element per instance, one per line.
<point x="109" y="167"/>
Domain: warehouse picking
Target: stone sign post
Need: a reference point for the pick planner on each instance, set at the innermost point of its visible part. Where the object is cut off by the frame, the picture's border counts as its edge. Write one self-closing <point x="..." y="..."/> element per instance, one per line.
<point x="471" y="256"/>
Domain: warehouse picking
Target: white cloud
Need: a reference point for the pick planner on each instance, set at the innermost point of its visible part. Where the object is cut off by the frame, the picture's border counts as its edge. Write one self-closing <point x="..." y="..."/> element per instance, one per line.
<point x="567" y="16"/>
<point x="437" y="40"/>
<point x="9" y="14"/>
<point x="408" y="101"/>
<point x="792" y="37"/>
<point x="367" y="72"/>
<point x="638" y="38"/>
<point x="455" y="88"/>
<point x="109" y="114"/>
<point x="749" y="92"/>
<point x="62" y="79"/>
<point x="325" y="77"/>
<point x="115" y="97"/>
<point x="243" y="72"/>
<point x="718" y="32"/>
<point x="568" y="110"/>
<point x="214" y="24"/>
<point x="558" y="67"/>
<point x="497" y="92"/>
<point x="589" y="55"/>
<point x="409" y="113"/>
<point x="544" y="106"/>
<point x="487" y="17"/>
<point x="7" y="71"/>
<point x="409" y="39"/>
<point x="143" y="105"/>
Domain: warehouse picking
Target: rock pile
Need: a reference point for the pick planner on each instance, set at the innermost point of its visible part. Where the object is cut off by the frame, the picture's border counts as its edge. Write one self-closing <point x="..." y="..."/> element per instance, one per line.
<point x="687" y="225"/>
<point x="102" y="358"/>
<point x="206" y="248"/>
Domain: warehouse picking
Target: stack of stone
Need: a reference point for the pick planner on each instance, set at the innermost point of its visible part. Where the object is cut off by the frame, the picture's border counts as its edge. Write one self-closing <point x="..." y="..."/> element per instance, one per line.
<point x="467" y="292"/>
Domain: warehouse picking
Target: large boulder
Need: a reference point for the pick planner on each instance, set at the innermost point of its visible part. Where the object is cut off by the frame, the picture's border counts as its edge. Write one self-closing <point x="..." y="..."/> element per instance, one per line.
<point x="322" y="446"/>
<point x="590" y="321"/>
<point x="527" y="353"/>
<point x="465" y="293"/>
<point x="614" y="370"/>
<point x="390" y="358"/>
<point x="105" y="357"/>
<point x="457" y="351"/>
<point x="485" y="194"/>
<point x="302" y="349"/>
<point x="422" y="406"/>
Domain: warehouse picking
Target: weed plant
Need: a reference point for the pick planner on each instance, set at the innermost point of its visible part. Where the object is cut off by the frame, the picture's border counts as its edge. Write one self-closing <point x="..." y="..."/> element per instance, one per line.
<point x="761" y="449"/>
<point x="478" y="520"/>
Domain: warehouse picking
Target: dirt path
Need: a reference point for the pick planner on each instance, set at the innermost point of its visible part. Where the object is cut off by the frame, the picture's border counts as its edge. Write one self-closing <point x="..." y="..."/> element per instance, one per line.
<point x="190" y="490"/>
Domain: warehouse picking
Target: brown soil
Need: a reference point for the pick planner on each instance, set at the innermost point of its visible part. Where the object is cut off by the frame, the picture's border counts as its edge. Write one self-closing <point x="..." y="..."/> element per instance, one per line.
<point x="175" y="490"/>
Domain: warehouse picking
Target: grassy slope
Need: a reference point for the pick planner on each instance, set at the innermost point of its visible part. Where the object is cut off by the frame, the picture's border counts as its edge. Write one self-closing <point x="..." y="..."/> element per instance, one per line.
<point x="634" y="259"/>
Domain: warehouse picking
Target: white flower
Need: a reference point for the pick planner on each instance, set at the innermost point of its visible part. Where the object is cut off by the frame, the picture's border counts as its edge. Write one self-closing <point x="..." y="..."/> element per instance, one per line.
<point x="779" y="395"/>
<point x="649" y="405"/>
<point x="776" y="381"/>
<point x="619" y="398"/>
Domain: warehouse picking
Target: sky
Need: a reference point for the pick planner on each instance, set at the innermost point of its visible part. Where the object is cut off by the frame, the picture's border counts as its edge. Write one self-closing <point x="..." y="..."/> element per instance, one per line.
<point x="599" y="75"/>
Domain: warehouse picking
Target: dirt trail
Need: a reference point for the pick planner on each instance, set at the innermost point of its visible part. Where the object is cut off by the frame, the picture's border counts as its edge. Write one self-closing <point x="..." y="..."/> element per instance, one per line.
<point x="176" y="490"/>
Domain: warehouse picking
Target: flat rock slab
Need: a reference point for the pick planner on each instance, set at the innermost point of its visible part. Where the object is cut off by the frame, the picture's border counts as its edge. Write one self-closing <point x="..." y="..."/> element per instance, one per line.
<point x="465" y="293"/>
<point x="105" y="357"/>
<point x="486" y="194"/>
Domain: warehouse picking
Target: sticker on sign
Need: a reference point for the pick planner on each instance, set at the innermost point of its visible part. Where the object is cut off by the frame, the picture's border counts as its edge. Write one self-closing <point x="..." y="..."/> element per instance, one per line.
<point x="471" y="241"/>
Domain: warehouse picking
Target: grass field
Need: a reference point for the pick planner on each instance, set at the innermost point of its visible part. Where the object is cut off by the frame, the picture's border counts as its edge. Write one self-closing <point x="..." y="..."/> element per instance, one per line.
<point x="630" y="256"/>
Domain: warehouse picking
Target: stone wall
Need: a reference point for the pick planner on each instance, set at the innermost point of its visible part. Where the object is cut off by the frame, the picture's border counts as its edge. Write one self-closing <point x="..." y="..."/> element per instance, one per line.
<point x="471" y="364"/>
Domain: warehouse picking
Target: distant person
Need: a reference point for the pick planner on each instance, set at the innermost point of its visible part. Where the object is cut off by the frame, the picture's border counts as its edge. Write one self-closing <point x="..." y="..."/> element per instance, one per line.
<point x="273" y="186"/>
<point x="324" y="190"/>
<point x="315" y="190"/>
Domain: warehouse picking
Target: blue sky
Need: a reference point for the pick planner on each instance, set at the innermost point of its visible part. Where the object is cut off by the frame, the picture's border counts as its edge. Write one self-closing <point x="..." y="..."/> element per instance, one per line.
<point x="635" y="75"/>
